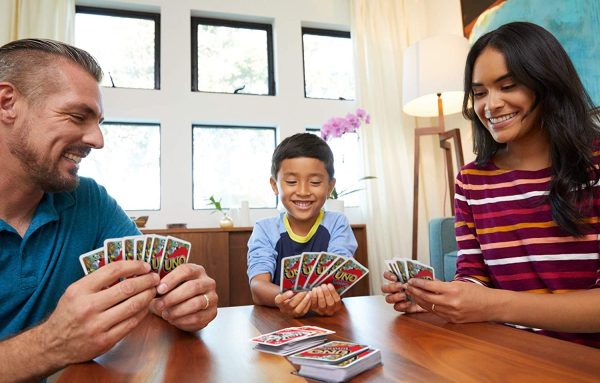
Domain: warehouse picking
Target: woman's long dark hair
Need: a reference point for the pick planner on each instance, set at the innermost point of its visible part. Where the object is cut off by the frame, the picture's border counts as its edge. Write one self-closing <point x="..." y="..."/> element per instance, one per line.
<point x="536" y="60"/>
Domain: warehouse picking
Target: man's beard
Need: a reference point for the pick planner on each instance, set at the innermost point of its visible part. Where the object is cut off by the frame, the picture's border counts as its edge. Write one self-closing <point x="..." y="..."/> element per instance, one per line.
<point x="42" y="171"/>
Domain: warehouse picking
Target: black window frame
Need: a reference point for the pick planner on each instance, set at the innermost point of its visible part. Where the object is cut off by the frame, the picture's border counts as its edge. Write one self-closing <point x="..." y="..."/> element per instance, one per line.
<point x="138" y="123"/>
<point x="221" y="126"/>
<point x="268" y="28"/>
<point x="132" y="15"/>
<point x="320" y="32"/>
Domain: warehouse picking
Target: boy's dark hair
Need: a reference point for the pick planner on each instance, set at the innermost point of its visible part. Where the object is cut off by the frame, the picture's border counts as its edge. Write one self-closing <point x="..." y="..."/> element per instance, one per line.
<point x="302" y="145"/>
<point x="536" y="59"/>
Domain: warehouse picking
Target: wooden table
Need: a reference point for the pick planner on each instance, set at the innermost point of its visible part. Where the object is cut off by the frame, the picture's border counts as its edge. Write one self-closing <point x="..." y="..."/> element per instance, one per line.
<point x="414" y="348"/>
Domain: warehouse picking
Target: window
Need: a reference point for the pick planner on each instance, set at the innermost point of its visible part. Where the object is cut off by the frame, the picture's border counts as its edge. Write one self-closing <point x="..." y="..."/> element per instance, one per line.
<point x="128" y="165"/>
<point x="232" y="57"/>
<point x="328" y="64"/>
<point x="233" y="163"/>
<point x="347" y="164"/>
<point x="125" y="43"/>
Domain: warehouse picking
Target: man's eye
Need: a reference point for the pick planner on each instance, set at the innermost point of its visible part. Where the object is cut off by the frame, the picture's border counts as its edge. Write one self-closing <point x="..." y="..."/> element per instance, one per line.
<point x="315" y="183"/>
<point x="77" y="117"/>
<point x="290" y="182"/>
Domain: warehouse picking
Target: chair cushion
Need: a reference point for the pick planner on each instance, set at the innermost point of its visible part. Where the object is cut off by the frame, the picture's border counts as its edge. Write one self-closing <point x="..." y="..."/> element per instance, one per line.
<point x="450" y="265"/>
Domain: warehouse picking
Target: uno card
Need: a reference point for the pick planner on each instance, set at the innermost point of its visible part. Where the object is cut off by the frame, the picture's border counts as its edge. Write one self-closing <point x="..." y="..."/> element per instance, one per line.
<point x="147" y="248"/>
<point x="402" y="269"/>
<point x="331" y="352"/>
<point x="129" y="248"/>
<point x="306" y="267"/>
<point x="323" y="264"/>
<point x="177" y="252"/>
<point x="92" y="260"/>
<point x="139" y="244"/>
<point x="419" y="270"/>
<point x="157" y="253"/>
<point x="289" y="272"/>
<point x="289" y="335"/>
<point x="328" y="277"/>
<point x="113" y="248"/>
<point x="347" y="275"/>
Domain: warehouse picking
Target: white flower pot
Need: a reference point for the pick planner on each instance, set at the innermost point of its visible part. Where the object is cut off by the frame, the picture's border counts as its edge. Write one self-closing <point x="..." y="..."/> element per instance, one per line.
<point x="334" y="205"/>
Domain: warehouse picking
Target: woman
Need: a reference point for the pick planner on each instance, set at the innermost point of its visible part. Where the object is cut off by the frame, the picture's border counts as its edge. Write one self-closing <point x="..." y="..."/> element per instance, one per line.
<point x="527" y="208"/>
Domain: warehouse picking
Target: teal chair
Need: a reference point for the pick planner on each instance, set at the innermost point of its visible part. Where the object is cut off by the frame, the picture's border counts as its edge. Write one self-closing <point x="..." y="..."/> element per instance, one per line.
<point x="442" y="248"/>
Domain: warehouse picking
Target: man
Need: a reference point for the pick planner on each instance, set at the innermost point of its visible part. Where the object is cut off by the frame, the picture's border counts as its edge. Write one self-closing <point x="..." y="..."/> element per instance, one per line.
<point x="50" y="111"/>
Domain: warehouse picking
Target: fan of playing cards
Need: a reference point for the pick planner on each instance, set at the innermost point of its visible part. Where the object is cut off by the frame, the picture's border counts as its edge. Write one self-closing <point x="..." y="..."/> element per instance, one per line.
<point x="405" y="268"/>
<point x="307" y="270"/>
<point x="163" y="253"/>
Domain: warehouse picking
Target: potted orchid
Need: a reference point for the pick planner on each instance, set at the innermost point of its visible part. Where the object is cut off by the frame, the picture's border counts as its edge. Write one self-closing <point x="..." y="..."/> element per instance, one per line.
<point x="226" y="221"/>
<point x="337" y="127"/>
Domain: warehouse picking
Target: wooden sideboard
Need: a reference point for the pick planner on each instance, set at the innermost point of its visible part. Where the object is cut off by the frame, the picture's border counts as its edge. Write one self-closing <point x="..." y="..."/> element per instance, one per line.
<point x="223" y="253"/>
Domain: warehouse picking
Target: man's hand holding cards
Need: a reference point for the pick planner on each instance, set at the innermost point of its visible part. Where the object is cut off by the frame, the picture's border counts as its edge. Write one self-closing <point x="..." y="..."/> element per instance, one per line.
<point x="162" y="253"/>
<point x="318" y="280"/>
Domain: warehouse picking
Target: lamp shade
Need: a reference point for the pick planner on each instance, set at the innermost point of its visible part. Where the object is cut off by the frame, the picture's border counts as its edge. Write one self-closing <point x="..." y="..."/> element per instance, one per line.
<point x="431" y="66"/>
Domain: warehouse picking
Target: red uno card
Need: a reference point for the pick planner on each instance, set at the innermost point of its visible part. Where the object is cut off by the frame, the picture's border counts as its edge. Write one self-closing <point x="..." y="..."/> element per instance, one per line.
<point x="113" y="248"/>
<point x="129" y="248"/>
<point x="139" y="244"/>
<point x="307" y="265"/>
<point x="177" y="252"/>
<point x="419" y="270"/>
<point x="331" y="352"/>
<point x="147" y="248"/>
<point x="289" y="272"/>
<point x="323" y="265"/>
<point x="286" y="335"/>
<point x="92" y="260"/>
<point x="347" y="275"/>
<point x="328" y="278"/>
<point x="157" y="253"/>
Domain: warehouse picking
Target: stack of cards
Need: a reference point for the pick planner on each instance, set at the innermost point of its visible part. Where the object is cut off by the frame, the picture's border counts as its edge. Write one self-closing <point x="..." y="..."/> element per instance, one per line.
<point x="307" y="270"/>
<point x="290" y="340"/>
<point x="163" y="253"/>
<point x="405" y="268"/>
<point x="336" y="361"/>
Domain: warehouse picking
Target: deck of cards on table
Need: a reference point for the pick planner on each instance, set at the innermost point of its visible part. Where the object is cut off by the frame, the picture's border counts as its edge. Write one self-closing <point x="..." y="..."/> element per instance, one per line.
<point x="336" y="361"/>
<point x="290" y="340"/>
<point x="405" y="269"/>
<point x="163" y="254"/>
<point x="307" y="270"/>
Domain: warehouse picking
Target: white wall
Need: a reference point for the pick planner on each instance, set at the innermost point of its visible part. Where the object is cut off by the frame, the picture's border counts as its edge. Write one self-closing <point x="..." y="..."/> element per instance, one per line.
<point x="176" y="107"/>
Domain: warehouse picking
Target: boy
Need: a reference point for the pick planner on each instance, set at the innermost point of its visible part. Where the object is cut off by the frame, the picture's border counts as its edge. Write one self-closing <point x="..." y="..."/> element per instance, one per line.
<point x="302" y="176"/>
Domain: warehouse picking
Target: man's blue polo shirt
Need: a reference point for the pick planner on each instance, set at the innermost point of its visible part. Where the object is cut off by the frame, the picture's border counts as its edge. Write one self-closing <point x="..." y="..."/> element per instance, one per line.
<point x="36" y="270"/>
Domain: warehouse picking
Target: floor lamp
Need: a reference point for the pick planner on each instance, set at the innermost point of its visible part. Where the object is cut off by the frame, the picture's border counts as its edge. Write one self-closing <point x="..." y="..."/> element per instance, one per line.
<point x="433" y="86"/>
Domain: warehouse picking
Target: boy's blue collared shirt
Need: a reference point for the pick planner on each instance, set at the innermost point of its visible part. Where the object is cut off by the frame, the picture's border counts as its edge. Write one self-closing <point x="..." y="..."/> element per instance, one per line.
<point x="36" y="270"/>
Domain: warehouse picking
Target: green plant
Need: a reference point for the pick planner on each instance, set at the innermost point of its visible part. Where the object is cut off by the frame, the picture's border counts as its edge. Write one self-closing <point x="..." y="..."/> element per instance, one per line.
<point x="351" y="189"/>
<point x="217" y="204"/>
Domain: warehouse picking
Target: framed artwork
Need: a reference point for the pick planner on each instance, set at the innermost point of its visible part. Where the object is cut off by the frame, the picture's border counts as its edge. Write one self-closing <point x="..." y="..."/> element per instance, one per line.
<point x="472" y="9"/>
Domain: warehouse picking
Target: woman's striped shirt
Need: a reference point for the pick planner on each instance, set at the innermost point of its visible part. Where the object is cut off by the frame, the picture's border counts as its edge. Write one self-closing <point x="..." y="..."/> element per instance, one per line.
<point x="508" y="240"/>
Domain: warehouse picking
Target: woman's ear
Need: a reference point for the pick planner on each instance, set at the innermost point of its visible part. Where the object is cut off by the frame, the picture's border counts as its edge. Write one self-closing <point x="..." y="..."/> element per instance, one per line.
<point x="274" y="185"/>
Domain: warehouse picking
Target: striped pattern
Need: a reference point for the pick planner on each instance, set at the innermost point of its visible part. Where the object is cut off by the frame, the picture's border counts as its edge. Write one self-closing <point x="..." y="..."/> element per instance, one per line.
<point x="507" y="238"/>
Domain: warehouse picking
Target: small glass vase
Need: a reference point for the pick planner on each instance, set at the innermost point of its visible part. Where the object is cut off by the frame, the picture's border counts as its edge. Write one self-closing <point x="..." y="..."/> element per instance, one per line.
<point x="226" y="222"/>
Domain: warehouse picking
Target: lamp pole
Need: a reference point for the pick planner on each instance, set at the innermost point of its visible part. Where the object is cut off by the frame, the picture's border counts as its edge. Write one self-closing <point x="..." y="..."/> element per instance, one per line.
<point x="444" y="136"/>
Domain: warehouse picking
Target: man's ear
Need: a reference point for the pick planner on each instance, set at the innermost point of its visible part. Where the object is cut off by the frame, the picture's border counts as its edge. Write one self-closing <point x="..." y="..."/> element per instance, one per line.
<point x="331" y="185"/>
<point x="8" y="97"/>
<point x="274" y="185"/>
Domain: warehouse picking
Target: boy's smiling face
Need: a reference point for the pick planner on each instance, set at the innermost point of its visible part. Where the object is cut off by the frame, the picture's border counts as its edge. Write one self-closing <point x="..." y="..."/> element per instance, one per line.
<point x="303" y="186"/>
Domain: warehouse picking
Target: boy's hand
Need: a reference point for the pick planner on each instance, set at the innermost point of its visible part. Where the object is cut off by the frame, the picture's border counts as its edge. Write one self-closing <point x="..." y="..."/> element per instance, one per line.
<point x="293" y="304"/>
<point x="396" y="295"/>
<point x="325" y="300"/>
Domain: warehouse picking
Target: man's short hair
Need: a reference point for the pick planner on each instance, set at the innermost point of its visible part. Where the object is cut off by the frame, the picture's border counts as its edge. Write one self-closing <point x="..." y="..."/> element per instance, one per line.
<point x="303" y="145"/>
<point x="28" y="64"/>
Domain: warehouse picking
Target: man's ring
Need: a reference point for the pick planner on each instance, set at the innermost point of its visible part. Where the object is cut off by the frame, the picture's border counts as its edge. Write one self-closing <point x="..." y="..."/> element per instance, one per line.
<point x="432" y="307"/>
<point x="207" y="301"/>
